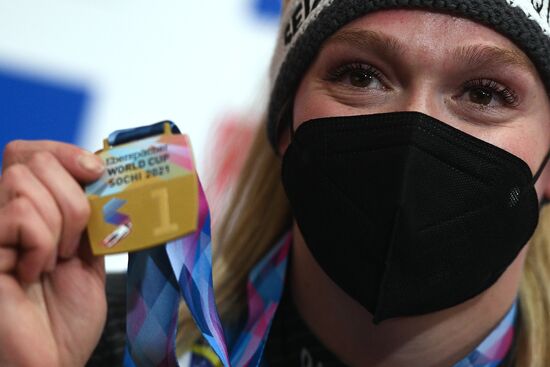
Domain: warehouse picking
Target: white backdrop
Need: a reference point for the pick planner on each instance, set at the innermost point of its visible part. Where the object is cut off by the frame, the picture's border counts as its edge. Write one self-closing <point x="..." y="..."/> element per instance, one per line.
<point x="192" y="62"/>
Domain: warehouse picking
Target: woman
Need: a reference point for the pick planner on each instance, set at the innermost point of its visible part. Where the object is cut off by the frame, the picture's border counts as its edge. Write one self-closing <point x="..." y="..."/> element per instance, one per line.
<point x="412" y="221"/>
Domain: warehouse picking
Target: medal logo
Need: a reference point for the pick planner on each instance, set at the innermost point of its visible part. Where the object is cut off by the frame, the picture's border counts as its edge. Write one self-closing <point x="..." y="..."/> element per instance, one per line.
<point x="121" y="221"/>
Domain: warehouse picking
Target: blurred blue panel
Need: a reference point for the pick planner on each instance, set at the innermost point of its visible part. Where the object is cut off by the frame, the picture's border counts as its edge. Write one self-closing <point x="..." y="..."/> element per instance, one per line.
<point x="268" y="8"/>
<point x="33" y="108"/>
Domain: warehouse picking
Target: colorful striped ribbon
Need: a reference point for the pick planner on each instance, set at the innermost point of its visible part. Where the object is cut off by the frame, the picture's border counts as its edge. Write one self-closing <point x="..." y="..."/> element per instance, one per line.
<point x="495" y="347"/>
<point x="159" y="277"/>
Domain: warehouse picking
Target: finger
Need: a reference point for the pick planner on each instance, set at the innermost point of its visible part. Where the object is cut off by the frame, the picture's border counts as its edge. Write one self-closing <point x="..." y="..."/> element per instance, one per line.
<point x="8" y="259"/>
<point x="69" y="196"/>
<point x="18" y="180"/>
<point x="5" y="195"/>
<point x="81" y="164"/>
<point x="22" y="228"/>
<point x="96" y="263"/>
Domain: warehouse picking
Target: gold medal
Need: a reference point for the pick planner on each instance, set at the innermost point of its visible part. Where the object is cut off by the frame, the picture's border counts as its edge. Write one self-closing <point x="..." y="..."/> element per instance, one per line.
<point x="147" y="196"/>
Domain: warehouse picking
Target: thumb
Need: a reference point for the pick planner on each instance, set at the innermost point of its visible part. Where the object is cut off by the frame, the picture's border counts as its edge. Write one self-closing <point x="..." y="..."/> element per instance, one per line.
<point x="81" y="164"/>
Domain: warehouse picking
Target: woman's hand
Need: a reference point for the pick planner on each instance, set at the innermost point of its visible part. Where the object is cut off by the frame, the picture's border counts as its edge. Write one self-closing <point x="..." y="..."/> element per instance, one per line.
<point x="52" y="298"/>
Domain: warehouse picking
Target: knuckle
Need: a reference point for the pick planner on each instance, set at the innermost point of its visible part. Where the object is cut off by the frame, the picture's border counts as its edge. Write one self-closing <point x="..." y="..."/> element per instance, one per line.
<point x="20" y="208"/>
<point x="49" y="243"/>
<point x="20" y="221"/>
<point x="10" y="226"/>
<point x="12" y="149"/>
<point x="14" y="175"/>
<point x="79" y="211"/>
<point x="56" y="220"/>
<point x="44" y="244"/>
<point x="42" y="160"/>
<point x="55" y="224"/>
<point x="16" y="213"/>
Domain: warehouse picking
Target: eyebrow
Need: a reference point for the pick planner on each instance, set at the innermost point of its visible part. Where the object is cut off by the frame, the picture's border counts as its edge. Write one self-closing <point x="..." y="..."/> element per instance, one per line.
<point x="492" y="56"/>
<point x="479" y="56"/>
<point x="368" y="40"/>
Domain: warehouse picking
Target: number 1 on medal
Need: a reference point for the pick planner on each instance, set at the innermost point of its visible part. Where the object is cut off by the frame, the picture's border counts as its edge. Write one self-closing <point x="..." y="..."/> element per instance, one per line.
<point x="165" y="227"/>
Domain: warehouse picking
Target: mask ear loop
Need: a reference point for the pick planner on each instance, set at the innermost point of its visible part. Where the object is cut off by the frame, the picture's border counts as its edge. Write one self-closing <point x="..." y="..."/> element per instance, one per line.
<point x="541" y="168"/>
<point x="289" y="119"/>
<point x="285" y="121"/>
<point x="539" y="173"/>
<point x="292" y="131"/>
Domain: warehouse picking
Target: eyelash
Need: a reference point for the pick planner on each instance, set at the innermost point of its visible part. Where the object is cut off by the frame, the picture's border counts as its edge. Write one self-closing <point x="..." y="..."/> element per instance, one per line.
<point x="340" y="72"/>
<point x="508" y="96"/>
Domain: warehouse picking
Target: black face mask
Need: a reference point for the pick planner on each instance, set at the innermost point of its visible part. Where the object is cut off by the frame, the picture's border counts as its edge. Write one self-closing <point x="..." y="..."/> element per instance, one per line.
<point x="406" y="214"/>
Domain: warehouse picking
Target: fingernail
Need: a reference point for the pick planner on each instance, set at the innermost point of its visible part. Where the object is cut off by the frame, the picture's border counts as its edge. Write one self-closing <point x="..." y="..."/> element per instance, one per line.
<point x="91" y="163"/>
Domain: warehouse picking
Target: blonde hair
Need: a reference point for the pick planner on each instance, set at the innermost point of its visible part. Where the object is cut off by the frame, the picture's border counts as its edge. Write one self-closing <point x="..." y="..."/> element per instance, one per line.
<point x="257" y="215"/>
<point x="534" y="339"/>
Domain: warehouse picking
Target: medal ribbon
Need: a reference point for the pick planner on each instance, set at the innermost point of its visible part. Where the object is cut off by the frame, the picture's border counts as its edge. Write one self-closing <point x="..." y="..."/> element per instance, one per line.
<point x="494" y="349"/>
<point x="159" y="277"/>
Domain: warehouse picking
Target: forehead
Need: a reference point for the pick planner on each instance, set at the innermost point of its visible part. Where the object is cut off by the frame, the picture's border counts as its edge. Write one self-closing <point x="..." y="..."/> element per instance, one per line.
<point x="422" y="19"/>
<point x="427" y="33"/>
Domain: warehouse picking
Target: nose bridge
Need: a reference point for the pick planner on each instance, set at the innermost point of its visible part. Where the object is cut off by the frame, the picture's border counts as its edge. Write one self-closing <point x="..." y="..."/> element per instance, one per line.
<point x="422" y="77"/>
<point x="422" y="96"/>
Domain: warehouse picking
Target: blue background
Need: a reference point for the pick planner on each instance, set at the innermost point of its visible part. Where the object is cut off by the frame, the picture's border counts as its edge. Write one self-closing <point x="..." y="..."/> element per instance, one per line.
<point x="31" y="108"/>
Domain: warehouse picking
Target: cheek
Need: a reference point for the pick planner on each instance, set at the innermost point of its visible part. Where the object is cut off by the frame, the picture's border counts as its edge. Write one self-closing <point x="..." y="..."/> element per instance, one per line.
<point x="312" y="102"/>
<point x="528" y="143"/>
<point x="308" y="103"/>
<point x="529" y="139"/>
